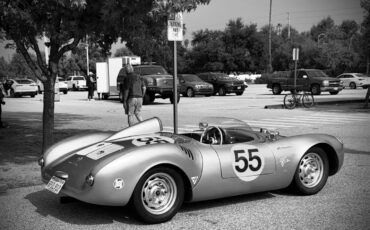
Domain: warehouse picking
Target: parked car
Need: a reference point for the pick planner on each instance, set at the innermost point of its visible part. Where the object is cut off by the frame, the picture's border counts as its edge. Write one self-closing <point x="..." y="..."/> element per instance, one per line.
<point x="157" y="80"/>
<point x="354" y="80"/>
<point x="309" y="80"/>
<point x="76" y="83"/>
<point x="223" y="84"/>
<point x="156" y="171"/>
<point x="22" y="87"/>
<point x="60" y="82"/>
<point x="191" y="85"/>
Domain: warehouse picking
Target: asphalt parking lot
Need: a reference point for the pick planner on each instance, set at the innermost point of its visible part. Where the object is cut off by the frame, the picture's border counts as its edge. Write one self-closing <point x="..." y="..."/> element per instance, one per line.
<point x="343" y="203"/>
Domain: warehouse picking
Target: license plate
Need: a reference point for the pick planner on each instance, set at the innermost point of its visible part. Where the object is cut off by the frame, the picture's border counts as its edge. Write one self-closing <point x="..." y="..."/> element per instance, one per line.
<point x="239" y="87"/>
<point x="335" y="88"/>
<point x="55" y="184"/>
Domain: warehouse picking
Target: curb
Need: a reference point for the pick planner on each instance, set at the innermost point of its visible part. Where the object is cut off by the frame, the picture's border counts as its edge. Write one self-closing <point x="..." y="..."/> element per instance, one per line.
<point x="281" y="106"/>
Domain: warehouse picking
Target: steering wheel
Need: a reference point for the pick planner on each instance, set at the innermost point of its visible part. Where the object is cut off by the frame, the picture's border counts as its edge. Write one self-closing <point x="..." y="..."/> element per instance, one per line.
<point x="212" y="135"/>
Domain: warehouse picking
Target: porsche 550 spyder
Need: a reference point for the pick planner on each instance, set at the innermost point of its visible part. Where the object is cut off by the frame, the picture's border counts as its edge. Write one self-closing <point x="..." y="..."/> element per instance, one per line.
<point x="156" y="171"/>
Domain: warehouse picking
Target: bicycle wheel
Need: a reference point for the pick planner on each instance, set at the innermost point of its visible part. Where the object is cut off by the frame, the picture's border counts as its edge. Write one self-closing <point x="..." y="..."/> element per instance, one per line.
<point x="290" y="101"/>
<point x="307" y="100"/>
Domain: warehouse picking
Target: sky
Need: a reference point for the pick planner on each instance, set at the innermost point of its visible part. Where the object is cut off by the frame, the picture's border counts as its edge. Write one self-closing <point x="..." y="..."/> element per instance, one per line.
<point x="303" y="14"/>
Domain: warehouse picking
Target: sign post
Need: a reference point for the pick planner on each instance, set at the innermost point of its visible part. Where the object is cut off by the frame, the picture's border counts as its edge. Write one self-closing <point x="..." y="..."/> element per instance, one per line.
<point x="175" y="33"/>
<point x="295" y="59"/>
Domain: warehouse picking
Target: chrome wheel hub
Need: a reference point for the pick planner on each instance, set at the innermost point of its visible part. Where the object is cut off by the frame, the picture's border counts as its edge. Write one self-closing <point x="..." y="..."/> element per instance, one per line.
<point x="159" y="193"/>
<point x="311" y="169"/>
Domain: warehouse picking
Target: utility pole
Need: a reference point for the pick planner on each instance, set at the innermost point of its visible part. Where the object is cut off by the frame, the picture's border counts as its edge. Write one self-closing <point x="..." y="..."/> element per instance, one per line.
<point x="288" y="26"/>
<point x="87" y="55"/>
<point x="269" y="68"/>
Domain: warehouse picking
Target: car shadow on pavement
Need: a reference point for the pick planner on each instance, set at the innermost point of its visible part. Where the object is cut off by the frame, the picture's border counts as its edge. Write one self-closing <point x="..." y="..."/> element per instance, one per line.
<point x="193" y="207"/>
<point x="78" y="212"/>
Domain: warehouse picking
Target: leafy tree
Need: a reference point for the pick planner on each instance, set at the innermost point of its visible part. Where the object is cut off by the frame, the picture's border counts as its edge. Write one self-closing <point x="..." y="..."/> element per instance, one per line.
<point x="365" y="4"/>
<point x="66" y="23"/>
<point x="124" y="51"/>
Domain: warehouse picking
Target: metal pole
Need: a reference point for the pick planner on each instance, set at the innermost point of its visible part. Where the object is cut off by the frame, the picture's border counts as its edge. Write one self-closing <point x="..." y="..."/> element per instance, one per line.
<point x="87" y="55"/>
<point x="270" y="59"/>
<point x="174" y="88"/>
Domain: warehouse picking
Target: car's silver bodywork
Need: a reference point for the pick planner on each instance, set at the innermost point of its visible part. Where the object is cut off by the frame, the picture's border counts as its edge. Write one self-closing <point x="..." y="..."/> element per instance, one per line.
<point x="117" y="161"/>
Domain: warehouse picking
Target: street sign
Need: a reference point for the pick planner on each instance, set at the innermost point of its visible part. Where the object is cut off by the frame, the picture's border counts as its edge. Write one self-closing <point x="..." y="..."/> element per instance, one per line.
<point x="295" y="54"/>
<point x="174" y="27"/>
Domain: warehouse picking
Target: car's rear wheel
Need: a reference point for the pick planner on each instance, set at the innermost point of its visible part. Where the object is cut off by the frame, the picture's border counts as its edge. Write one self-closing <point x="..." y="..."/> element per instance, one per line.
<point x="158" y="195"/>
<point x="352" y="85"/>
<point x="190" y="92"/>
<point x="276" y="89"/>
<point x="221" y="91"/>
<point x="312" y="172"/>
<point x="315" y="90"/>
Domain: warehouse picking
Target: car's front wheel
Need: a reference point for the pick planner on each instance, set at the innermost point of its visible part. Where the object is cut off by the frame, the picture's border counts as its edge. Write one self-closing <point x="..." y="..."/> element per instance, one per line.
<point x="312" y="172"/>
<point x="158" y="195"/>
<point x="190" y="92"/>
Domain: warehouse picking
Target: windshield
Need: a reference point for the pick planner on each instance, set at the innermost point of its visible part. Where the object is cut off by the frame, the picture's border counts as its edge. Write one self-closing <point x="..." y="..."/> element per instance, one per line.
<point x="222" y="76"/>
<point x="78" y="78"/>
<point x="24" y="82"/>
<point x="150" y="70"/>
<point x="223" y="122"/>
<point x="316" y="73"/>
<point x="191" y="78"/>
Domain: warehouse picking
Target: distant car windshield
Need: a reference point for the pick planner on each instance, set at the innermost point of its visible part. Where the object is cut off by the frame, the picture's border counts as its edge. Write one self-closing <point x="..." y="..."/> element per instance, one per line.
<point x="191" y="78"/>
<point x="78" y="78"/>
<point x="316" y="73"/>
<point x="150" y="70"/>
<point x="24" y="81"/>
<point x="222" y="76"/>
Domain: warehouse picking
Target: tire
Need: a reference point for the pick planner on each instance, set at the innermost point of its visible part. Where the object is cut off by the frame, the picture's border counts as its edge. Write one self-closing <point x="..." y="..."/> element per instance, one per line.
<point x="65" y="91"/>
<point x="105" y="96"/>
<point x="352" y="85"/>
<point x="239" y="93"/>
<point x="312" y="172"/>
<point x="289" y="101"/>
<point x="158" y="195"/>
<point x="178" y="98"/>
<point x="221" y="91"/>
<point x="190" y="92"/>
<point x="334" y="92"/>
<point x="146" y="99"/>
<point x="276" y="89"/>
<point x="12" y="93"/>
<point x="33" y="95"/>
<point x="315" y="90"/>
<point x="307" y="100"/>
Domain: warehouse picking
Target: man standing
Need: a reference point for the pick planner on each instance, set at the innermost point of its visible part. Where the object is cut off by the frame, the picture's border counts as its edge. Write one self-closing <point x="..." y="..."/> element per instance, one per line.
<point x="2" y="102"/>
<point x="90" y="86"/>
<point x="133" y="92"/>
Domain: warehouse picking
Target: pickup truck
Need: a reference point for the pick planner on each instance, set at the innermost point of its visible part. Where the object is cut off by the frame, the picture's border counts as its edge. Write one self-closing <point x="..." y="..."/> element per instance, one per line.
<point x="310" y="80"/>
<point x="158" y="83"/>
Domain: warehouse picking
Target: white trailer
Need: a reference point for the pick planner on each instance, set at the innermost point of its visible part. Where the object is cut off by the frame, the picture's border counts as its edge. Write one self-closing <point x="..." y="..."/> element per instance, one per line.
<point x="107" y="72"/>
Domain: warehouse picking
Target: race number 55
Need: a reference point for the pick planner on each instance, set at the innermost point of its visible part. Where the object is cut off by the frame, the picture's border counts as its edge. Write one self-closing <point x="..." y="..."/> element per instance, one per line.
<point x="248" y="163"/>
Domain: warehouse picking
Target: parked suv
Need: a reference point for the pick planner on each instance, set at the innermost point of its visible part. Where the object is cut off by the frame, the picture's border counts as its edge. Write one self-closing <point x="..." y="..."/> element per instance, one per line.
<point x="223" y="84"/>
<point x="21" y="87"/>
<point x="76" y="83"/>
<point x="191" y="85"/>
<point x="158" y="82"/>
<point x="310" y="80"/>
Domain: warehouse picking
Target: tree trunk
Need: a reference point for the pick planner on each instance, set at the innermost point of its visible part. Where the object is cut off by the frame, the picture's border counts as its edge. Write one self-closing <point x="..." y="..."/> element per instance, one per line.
<point x="48" y="112"/>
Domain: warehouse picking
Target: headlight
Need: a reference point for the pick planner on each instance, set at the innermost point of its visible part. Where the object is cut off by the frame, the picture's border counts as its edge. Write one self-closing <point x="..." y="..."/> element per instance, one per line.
<point x="325" y="83"/>
<point x="41" y="162"/>
<point x="150" y="82"/>
<point x="90" y="179"/>
<point x="197" y="86"/>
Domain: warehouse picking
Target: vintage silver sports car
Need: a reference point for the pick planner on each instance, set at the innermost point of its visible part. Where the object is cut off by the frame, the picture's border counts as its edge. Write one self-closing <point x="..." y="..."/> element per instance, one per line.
<point x="157" y="171"/>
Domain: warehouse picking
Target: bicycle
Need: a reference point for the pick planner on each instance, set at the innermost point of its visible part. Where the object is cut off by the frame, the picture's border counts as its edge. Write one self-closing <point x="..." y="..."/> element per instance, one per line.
<point x="293" y="99"/>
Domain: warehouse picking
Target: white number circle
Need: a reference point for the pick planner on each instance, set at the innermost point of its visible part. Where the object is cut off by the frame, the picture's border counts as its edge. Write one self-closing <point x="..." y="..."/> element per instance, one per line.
<point x="248" y="163"/>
